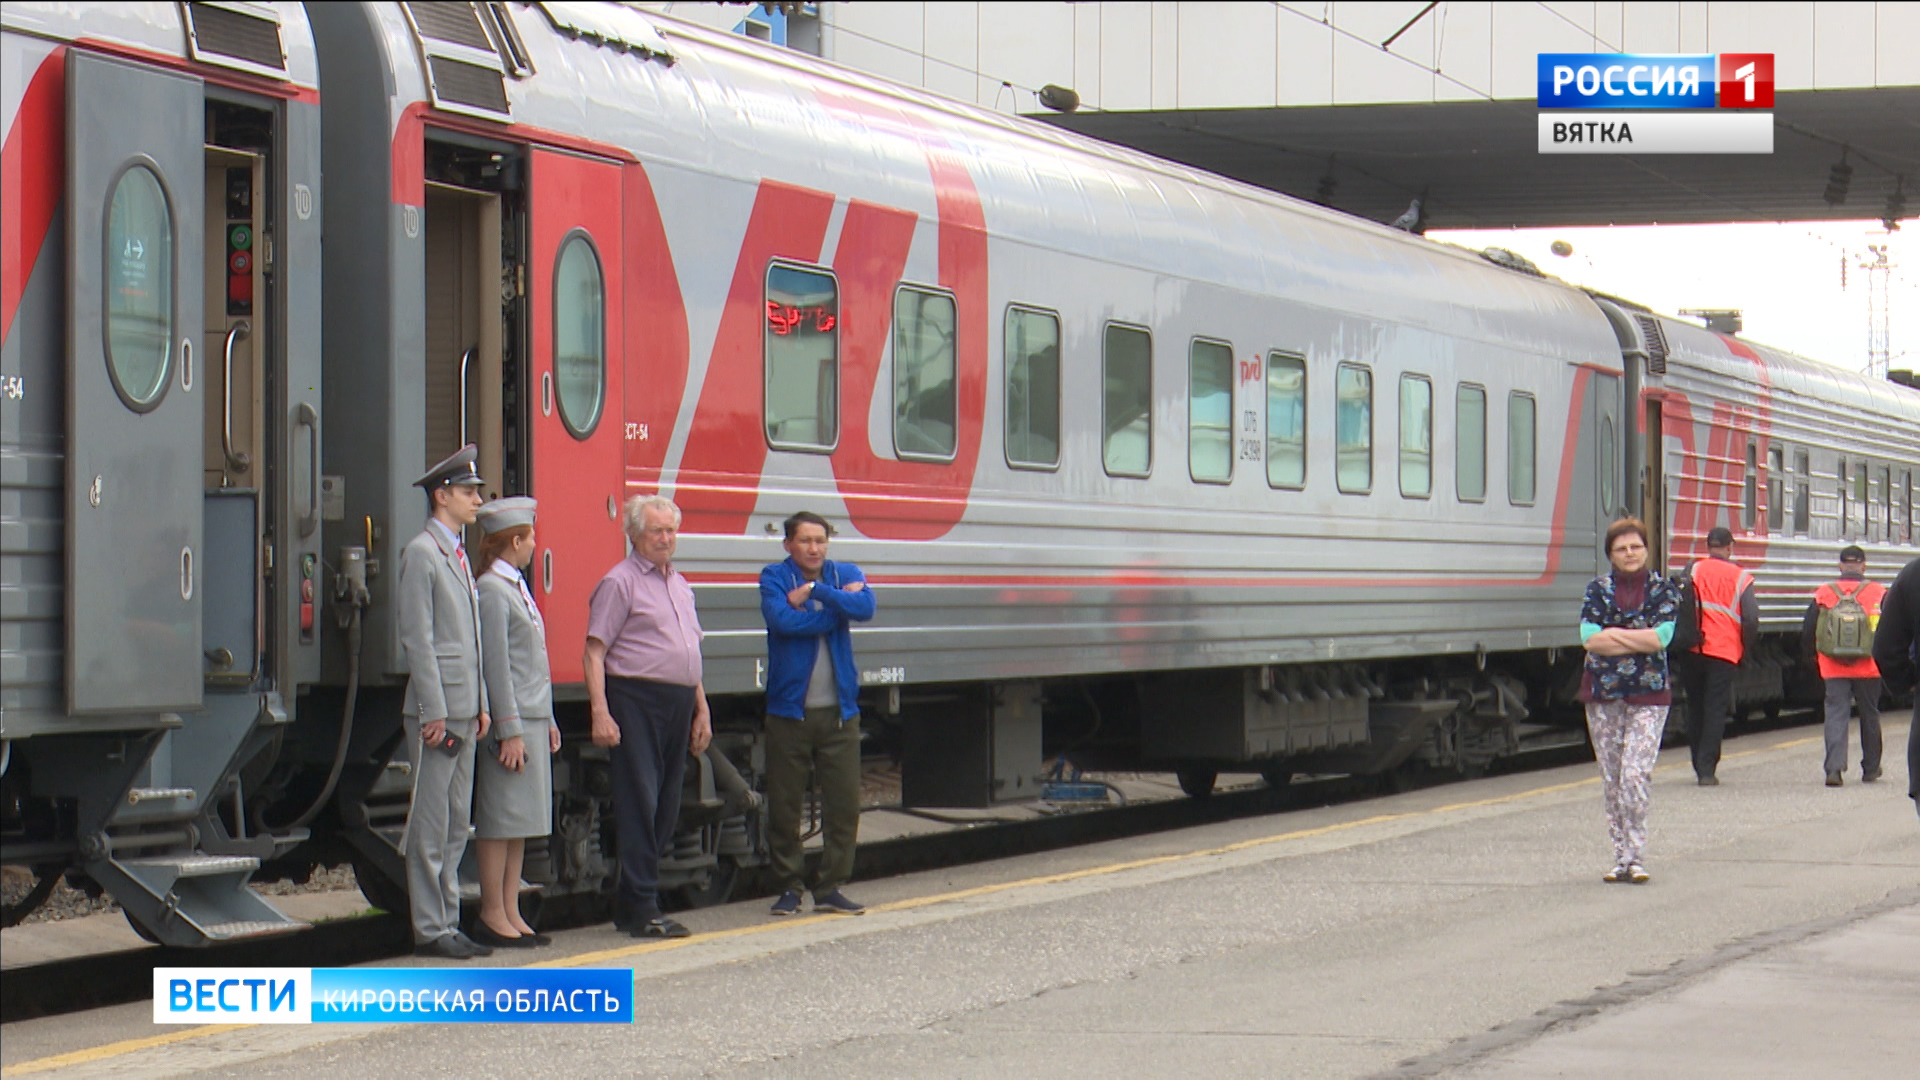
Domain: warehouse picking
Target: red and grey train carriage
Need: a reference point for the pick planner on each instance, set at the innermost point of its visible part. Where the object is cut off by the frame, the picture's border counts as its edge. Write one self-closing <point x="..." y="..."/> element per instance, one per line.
<point x="1152" y="463"/>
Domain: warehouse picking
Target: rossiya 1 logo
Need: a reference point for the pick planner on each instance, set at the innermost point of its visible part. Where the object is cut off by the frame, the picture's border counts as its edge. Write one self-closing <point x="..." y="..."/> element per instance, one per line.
<point x="1685" y="103"/>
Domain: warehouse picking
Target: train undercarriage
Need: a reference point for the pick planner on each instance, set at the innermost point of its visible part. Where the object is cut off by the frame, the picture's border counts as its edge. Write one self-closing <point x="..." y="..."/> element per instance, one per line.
<point x="962" y="745"/>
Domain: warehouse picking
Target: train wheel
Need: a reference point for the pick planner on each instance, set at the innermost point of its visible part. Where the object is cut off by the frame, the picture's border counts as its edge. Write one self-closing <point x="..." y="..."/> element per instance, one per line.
<point x="1197" y="782"/>
<point x="718" y="889"/>
<point x="1277" y="776"/>
<point x="388" y="896"/>
<point x="140" y="928"/>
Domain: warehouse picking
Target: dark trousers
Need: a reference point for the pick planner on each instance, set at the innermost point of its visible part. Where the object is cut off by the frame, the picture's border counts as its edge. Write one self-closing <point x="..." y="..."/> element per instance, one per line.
<point x="828" y="748"/>
<point x="656" y="723"/>
<point x="1709" y="698"/>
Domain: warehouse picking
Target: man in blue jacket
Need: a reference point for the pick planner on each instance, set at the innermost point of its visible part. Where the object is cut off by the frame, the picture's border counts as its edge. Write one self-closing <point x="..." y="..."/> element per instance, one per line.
<point x="813" y="711"/>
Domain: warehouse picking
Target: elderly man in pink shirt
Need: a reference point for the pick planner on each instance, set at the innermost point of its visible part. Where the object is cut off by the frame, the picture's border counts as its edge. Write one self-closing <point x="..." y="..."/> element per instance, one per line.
<point x="649" y="707"/>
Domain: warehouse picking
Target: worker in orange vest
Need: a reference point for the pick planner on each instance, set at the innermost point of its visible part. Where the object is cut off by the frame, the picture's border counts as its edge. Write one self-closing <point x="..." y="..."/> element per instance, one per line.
<point x="1729" y="628"/>
<point x="1850" y="610"/>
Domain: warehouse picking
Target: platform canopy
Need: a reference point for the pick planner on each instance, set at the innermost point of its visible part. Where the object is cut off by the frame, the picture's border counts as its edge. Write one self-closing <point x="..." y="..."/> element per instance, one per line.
<point x="1479" y="164"/>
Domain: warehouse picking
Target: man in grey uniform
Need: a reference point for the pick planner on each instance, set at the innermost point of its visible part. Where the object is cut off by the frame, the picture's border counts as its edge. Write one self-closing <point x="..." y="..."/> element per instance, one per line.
<point x="446" y="703"/>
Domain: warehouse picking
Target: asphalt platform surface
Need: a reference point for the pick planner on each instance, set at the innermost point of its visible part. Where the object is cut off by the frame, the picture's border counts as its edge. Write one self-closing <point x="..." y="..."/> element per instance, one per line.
<point x="1454" y="931"/>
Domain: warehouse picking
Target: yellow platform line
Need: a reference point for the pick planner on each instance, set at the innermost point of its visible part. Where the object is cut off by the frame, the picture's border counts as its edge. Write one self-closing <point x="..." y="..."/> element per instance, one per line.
<point x="115" y="1049"/>
<point x="98" y="1053"/>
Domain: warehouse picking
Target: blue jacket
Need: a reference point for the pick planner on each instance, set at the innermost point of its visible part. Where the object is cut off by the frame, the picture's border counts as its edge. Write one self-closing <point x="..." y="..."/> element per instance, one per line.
<point x="793" y="634"/>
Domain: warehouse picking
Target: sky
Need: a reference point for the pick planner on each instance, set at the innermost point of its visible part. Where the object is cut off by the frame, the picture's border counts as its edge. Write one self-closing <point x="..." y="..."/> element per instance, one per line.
<point x="1785" y="278"/>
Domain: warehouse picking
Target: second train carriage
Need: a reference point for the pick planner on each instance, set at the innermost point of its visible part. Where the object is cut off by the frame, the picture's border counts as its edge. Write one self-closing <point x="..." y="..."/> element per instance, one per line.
<point x="1148" y="463"/>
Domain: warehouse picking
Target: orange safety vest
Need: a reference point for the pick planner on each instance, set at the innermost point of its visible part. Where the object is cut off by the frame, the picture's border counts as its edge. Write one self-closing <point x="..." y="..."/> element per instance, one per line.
<point x="1717" y="585"/>
<point x="1869" y="593"/>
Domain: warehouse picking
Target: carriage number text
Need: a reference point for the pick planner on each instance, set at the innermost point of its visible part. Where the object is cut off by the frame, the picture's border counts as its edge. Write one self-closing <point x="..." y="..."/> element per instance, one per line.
<point x="884" y="675"/>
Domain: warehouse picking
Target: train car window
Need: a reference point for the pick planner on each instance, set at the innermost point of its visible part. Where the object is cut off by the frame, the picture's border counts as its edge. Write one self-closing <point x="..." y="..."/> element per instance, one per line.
<point x="1903" y="498"/>
<point x="1210" y="412"/>
<point x="1286" y="421"/>
<point x="1881" y="507"/>
<point x="1033" y="389"/>
<point x="924" y="405"/>
<point x="1126" y="407"/>
<point x="1907" y="500"/>
<point x="1776" y="506"/>
<point x="1520" y="449"/>
<point x="139" y="288"/>
<point x="803" y="359"/>
<point x="1416" y="436"/>
<point x="1846" y="513"/>
<point x="1860" y="502"/>
<point x="1470" y="449"/>
<point x="1802" y="493"/>
<point x="1353" y="429"/>
<point x="579" y="335"/>
<point x="1750" y="494"/>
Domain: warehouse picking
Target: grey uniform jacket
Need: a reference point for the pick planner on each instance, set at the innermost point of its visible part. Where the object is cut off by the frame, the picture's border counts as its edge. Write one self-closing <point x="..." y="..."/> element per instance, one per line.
<point x="439" y="632"/>
<point x="519" y="683"/>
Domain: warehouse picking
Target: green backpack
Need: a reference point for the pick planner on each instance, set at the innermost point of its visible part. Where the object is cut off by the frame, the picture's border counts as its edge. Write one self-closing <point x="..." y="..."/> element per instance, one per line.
<point x="1845" y="630"/>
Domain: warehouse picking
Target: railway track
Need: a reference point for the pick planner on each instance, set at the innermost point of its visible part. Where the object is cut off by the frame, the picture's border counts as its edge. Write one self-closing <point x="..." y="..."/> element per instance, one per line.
<point x="89" y="982"/>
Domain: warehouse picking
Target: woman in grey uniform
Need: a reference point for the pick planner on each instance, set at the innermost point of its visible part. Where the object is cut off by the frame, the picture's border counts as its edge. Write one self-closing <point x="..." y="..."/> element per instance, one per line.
<point x="513" y="782"/>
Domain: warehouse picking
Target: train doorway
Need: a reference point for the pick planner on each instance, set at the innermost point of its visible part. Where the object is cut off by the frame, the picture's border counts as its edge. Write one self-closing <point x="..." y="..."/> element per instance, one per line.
<point x="464" y="328"/>
<point x="239" y="463"/>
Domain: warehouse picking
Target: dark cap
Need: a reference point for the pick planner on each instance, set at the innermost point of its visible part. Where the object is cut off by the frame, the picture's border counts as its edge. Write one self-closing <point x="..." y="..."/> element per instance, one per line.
<point x="457" y="470"/>
<point x="1719" y="536"/>
<point x="1852" y="553"/>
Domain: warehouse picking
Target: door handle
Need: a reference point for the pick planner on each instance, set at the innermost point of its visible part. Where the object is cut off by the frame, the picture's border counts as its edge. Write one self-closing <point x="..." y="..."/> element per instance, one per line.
<point x="238" y="462"/>
<point x="305" y="417"/>
<point x="465" y="359"/>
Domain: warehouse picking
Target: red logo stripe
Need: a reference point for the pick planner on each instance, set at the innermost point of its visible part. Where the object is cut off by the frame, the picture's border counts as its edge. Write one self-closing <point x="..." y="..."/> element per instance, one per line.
<point x="31" y="166"/>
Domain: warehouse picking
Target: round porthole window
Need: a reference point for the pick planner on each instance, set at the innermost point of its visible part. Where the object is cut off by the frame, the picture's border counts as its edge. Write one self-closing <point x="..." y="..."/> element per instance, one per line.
<point x="139" y="288"/>
<point x="579" y="336"/>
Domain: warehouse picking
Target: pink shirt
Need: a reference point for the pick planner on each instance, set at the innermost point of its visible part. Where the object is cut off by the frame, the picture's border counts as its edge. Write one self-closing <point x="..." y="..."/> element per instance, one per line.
<point x="644" y="615"/>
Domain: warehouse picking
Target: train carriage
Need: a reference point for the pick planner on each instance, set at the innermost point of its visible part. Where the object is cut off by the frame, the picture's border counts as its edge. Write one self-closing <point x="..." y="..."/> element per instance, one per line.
<point x="1146" y="463"/>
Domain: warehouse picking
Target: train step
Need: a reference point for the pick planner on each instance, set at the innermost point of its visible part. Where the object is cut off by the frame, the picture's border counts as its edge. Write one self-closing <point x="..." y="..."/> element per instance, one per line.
<point x="136" y="796"/>
<point x="193" y="866"/>
<point x="190" y="898"/>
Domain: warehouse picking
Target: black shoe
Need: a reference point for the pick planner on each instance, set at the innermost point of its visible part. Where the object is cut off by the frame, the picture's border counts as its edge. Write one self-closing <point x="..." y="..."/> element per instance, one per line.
<point x="659" y="927"/>
<point x="1869" y="776"/>
<point x="1834" y="779"/>
<point x="478" y="949"/>
<point x="540" y="941"/>
<point x="448" y="947"/>
<point x="836" y="903"/>
<point x="484" y="936"/>
<point x="1709" y="781"/>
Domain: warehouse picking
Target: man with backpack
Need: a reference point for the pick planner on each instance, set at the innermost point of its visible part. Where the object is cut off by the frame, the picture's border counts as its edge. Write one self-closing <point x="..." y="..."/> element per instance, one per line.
<point x="1838" y="631"/>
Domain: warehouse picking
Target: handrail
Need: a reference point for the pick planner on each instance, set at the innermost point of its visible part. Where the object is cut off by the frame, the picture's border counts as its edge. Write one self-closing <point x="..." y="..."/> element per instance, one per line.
<point x="306" y="417"/>
<point x="237" y="461"/>
<point x="465" y="359"/>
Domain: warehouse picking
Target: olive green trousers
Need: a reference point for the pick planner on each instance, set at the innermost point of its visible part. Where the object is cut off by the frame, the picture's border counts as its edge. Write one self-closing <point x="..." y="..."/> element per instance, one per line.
<point x="828" y="750"/>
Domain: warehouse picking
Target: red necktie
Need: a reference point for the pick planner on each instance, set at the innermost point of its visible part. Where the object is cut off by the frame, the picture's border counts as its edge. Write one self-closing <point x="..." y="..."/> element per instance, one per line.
<point x="462" y="552"/>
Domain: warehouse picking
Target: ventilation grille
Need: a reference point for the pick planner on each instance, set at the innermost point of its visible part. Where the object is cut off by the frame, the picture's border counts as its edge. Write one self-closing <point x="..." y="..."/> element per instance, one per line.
<point x="451" y="22"/>
<point x="465" y="70"/>
<point x="1656" y="340"/>
<point x="467" y="84"/>
<point x="246" y="36"/>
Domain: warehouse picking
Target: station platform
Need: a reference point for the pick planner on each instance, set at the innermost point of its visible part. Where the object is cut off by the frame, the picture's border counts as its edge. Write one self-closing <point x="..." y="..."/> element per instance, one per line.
<point x="1453" y="931"/>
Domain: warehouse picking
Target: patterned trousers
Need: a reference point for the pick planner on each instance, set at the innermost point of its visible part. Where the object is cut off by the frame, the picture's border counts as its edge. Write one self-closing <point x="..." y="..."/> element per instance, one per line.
<point x="1626" y="740"/>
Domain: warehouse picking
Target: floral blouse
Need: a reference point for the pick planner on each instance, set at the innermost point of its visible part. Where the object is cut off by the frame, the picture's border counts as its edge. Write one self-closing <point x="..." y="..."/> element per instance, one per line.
<point x="1642" y="601"/>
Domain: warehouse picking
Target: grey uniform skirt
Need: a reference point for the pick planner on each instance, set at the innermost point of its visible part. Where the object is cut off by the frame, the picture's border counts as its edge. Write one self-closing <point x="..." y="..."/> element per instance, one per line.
<point x="514" y="805"/>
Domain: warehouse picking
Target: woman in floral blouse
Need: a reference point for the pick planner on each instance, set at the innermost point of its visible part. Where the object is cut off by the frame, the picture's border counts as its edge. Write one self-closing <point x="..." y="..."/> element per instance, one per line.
<point x="1625" y="625"/>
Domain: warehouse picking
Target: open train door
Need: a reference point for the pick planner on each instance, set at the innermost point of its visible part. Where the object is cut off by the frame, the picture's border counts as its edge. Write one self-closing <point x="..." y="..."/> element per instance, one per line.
<point x="134" y="205"/>
<point x="574" y="275"/>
